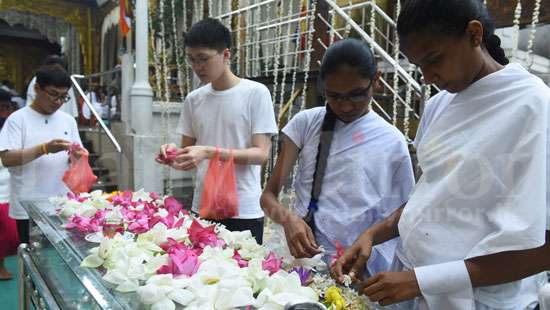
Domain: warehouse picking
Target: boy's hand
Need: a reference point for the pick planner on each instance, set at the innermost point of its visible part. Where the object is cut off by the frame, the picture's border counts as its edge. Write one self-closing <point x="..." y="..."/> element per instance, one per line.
<point x="299" y="237"/>
<point x="57" y="145"/>
<point x="190" y="157"/>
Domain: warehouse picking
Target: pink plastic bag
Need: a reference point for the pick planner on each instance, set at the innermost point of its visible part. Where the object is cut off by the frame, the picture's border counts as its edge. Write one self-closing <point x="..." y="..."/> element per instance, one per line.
<point x="79" y="177"/>
<point x="219" y="195"/>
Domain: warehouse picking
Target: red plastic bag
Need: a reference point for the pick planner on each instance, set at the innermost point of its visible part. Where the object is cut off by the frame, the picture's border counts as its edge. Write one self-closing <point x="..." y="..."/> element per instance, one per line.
<point x="219" y="195"/>
<point x="79" y="177"/>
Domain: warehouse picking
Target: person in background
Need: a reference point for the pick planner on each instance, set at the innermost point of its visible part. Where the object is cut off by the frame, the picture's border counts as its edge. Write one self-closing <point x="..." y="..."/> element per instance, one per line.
<point x="33" y="142"/>
<point x="9" y="240"/>
<point x="70" y="107"/>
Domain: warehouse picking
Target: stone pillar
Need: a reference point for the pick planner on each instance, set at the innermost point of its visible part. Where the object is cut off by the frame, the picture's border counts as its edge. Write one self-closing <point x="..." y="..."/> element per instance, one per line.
<point x="146" y="172"/>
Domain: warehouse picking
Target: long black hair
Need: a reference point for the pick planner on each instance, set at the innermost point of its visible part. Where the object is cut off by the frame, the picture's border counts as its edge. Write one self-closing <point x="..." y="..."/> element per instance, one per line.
<point x="355" y="54"/>
<point x="449" y="18"/>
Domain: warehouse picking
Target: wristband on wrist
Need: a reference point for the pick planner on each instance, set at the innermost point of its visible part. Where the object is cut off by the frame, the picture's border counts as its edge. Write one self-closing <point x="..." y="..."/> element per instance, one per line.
<point x="44" y="148"/>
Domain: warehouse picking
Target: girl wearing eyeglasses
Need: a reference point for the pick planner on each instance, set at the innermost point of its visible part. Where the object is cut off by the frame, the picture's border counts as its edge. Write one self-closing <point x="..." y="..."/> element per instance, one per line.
<point x="353" y="168"/>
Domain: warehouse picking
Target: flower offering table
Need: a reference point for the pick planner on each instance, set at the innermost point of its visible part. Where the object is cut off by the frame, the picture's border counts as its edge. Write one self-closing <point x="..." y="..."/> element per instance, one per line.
<point x="139" y="250"/>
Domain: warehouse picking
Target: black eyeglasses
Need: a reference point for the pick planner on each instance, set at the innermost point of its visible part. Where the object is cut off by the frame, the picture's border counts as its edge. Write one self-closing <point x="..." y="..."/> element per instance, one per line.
<point x="200" y="61"/>
<point x="359" y="97"/>
<point x="54" y="96"/>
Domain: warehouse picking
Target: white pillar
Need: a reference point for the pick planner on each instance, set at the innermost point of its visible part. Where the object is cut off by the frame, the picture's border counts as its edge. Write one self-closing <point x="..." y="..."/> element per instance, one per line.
<point x="142" y="93"/>
<point x="146" y="172"/>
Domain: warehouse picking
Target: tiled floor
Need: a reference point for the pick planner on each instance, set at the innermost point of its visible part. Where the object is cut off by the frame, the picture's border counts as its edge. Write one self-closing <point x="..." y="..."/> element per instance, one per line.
<point x="8" y="289"/>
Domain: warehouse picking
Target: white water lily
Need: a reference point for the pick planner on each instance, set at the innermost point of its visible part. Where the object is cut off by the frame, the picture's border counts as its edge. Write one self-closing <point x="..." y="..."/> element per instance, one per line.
<point x="162" y="213"/>
<point x="141" y="195"/>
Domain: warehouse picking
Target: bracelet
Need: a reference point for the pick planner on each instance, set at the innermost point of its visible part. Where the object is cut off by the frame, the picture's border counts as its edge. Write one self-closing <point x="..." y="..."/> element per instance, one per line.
<point x="44" y="149"/>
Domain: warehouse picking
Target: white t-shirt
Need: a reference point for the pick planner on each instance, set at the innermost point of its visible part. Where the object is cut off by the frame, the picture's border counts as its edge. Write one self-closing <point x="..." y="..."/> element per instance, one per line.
<point x="42" y="177"/>
<point x="228" y="119"/>
<point x="69" y="107"/>
<point x="368" y="176"/>
<point x="484" y="153"/>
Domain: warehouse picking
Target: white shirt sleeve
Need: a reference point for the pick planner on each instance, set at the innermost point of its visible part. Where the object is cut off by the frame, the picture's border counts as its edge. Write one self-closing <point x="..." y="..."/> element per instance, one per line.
<point x="295" y="130"/>
<point x="11" y="134"/>
<point x="185" y="123"/>
<point x="446" y="285"/>
<point x="263" y="115"/>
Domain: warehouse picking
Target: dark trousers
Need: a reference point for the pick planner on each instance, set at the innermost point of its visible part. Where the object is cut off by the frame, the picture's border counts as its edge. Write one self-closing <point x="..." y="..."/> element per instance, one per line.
<point x="256" y="226"/>
<point x="23" y="230"/>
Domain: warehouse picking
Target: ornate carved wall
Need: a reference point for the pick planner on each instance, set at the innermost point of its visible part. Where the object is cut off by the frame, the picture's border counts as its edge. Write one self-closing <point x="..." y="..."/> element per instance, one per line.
<point x="82" y="18"/>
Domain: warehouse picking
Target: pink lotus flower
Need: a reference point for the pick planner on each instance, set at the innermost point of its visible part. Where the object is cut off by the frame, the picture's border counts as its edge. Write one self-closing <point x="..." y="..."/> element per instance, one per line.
<point x="272" y="263"/>
<point x="171" y="245"/>
<point x="124" y="199"/>
<point x="171" y="154"/>
<point x="182" y="260"/>
<point x="154" y="196"/>
<point x="172" y="205"/>
<point x="72" y="196"/>
<point x="339" y="251"/>
<point x="83" y="224"/>
<point x="242" y="263"/>
<point x="202" y="236"/>
<point x="139" y="226"/>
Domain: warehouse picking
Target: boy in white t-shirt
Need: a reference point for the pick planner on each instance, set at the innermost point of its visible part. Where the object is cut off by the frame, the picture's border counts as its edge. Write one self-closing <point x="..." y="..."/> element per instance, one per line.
<point x="233" y="114"/>
<point x="33" y="141"/>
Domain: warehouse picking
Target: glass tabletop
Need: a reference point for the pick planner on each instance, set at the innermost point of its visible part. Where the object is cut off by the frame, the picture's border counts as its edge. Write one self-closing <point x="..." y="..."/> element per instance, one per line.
<point x="73" y="248"/>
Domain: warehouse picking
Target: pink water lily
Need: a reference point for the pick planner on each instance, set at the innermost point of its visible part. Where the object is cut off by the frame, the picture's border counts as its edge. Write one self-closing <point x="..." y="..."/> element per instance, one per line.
<point x="272" y="263"/>
<point x="202" y="236"/>
<point x="242" y="262"/>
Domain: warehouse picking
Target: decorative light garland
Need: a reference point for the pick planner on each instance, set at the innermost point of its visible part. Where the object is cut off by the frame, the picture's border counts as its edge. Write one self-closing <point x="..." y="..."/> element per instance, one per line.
<point x="396" y="59"/>
<point x="373" y="22"/>
<point x="184" y="53"/>
<point x="176" y="47"/>
<point x="408" y="97"/>
<point x="332" y="28"/>
<point x="534" y="22"/>
<point x="517" y="17"/>
<point x="156" y="60"/>
<point x="286" y="55"/>
<point x="165" y="102"/>
<point x="347" y="28"/>
<point x="309" y="44"/>
<point x="239" y="32"/>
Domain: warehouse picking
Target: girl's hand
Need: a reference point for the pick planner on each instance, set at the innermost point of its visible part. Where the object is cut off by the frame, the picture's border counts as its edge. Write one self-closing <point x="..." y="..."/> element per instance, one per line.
<point x="391" y="287"/>
<point x="299" y="237"/>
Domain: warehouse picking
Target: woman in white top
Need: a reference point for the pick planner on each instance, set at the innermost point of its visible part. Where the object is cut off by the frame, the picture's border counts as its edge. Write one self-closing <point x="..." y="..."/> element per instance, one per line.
<point x="361" y="160"/>
<point x="476" y="222"/>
